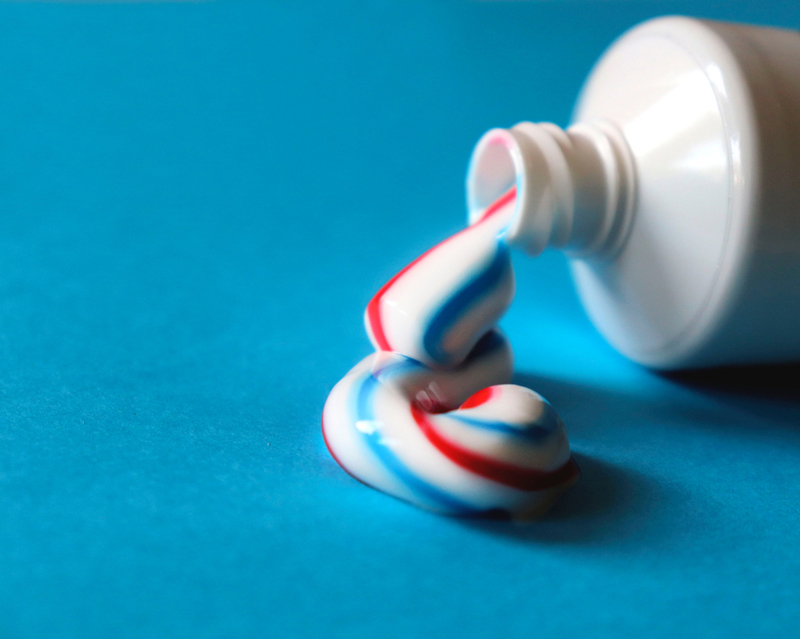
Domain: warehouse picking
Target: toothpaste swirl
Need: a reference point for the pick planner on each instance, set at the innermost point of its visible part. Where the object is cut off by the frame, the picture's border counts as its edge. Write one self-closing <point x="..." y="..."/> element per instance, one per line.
<point x="430" y="417"/>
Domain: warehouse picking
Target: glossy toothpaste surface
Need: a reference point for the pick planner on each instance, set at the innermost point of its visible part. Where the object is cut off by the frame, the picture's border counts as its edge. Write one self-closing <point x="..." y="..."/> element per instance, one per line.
<point x="430" y="417"/>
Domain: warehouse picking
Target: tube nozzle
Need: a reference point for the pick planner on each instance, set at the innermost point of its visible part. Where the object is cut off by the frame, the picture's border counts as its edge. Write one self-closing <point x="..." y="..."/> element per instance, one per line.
<point x="575" y="188"/>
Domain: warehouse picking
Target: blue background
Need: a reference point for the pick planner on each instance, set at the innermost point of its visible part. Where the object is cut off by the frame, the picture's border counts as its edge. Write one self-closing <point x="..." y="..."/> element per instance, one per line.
<point x="196" y="203"/>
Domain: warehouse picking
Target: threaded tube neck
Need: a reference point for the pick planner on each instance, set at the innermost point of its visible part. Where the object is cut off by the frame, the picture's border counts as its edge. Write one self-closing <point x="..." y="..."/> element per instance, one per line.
<point x="575" y="189"/>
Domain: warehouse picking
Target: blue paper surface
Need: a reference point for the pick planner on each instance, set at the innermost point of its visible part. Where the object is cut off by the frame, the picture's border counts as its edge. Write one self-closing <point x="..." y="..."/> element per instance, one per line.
<point x="196" y="203"/>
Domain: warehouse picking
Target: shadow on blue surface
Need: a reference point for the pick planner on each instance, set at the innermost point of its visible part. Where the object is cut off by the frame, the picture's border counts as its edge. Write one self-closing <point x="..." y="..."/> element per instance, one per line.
<point x="609" y="503"/>
<point x="781" y="382"/>
<point x="600" y="508"/>
<point x="617" y="505"/>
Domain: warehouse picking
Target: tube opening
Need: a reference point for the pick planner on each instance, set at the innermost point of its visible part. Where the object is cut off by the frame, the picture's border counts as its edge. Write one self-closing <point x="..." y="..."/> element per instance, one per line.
<point x="495" y="167"/>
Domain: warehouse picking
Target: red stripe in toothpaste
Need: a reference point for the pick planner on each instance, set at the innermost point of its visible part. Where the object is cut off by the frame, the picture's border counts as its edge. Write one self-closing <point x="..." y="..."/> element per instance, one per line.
<point x="374" y="306"/>
<point x="479" y="398"/>
<point x="498" y="204"/>
<point x="501" y="472"/>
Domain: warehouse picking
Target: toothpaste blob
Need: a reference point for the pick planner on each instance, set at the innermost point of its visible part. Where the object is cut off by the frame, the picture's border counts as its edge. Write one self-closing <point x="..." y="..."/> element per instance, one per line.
<point x="430" y="417"/>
